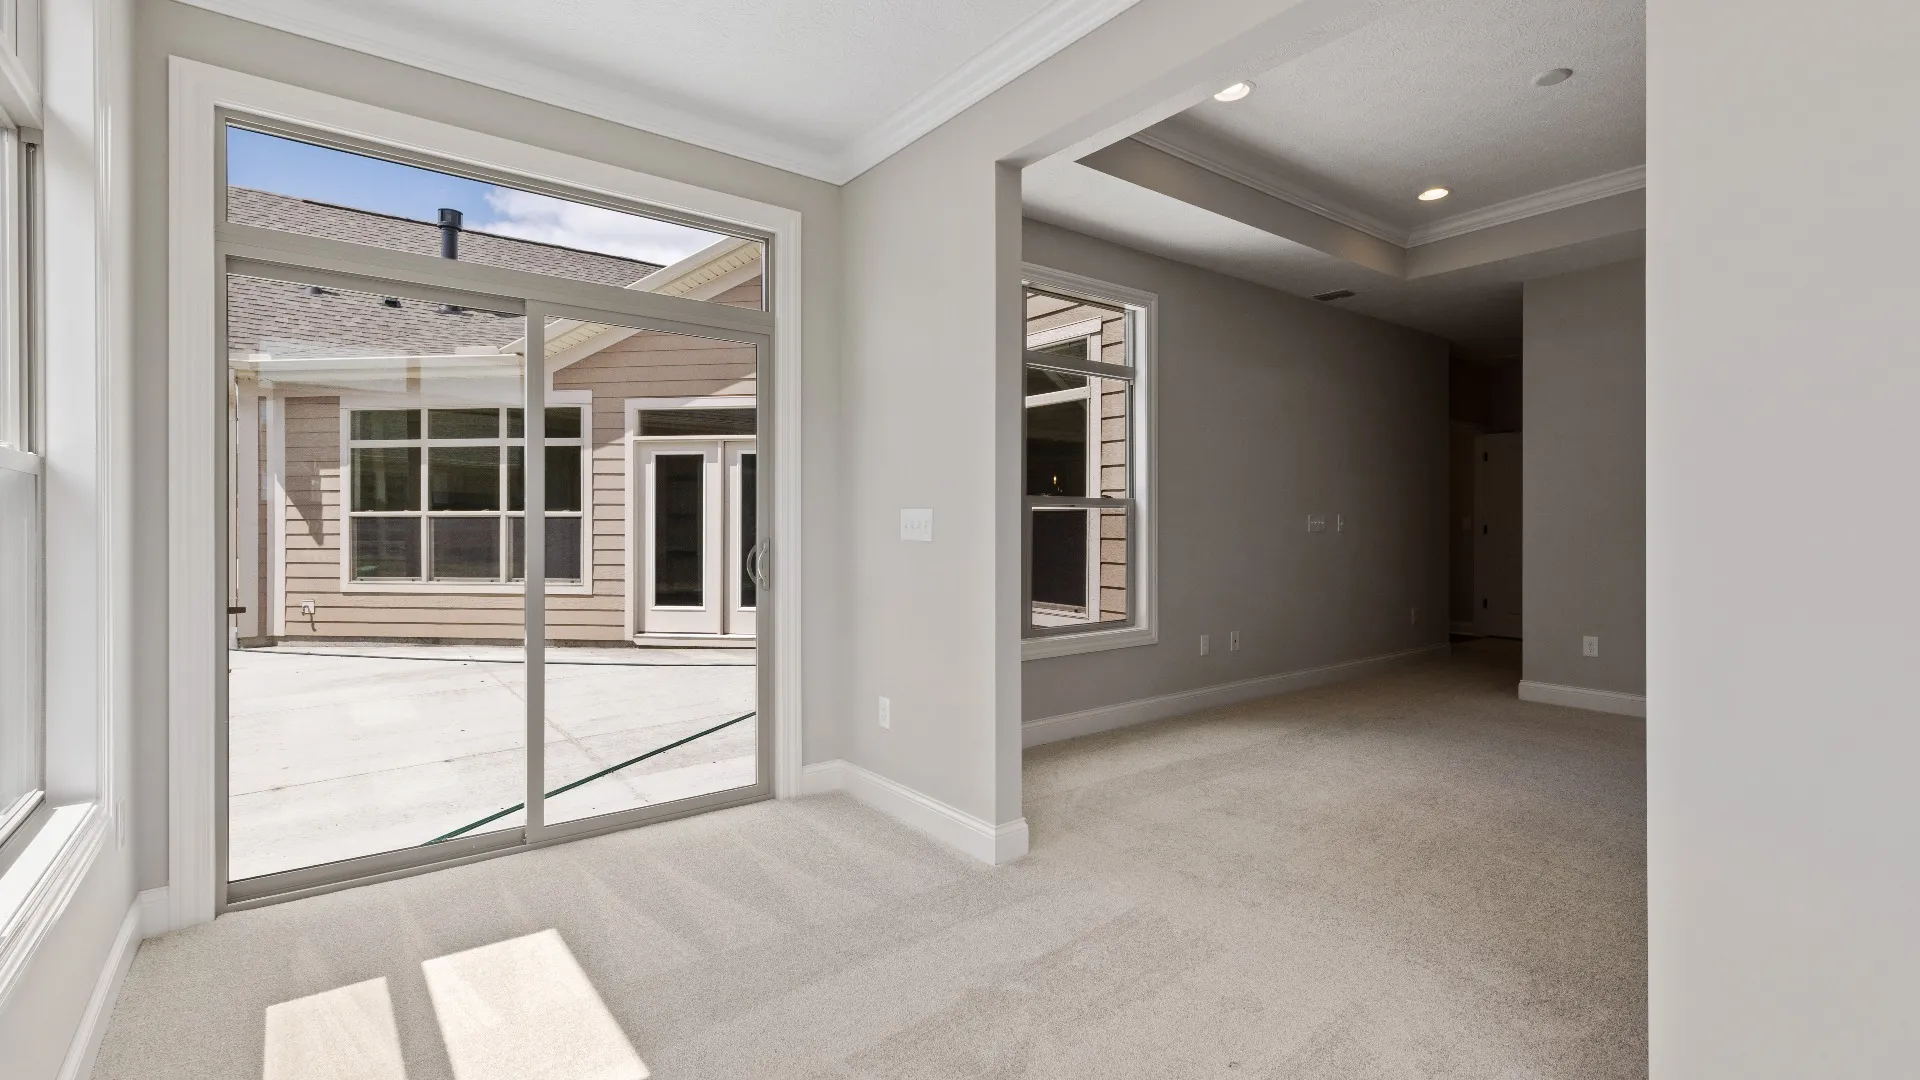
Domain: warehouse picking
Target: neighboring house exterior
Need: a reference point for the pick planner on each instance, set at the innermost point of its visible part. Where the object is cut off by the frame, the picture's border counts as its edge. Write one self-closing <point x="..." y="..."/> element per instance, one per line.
<point x="1076" y="444"/>
<point x="377" y="457"/>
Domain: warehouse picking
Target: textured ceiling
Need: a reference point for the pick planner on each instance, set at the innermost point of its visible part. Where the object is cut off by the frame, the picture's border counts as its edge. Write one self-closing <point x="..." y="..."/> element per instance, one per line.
<point x="822" y="71"/>
<point x="1442" y="94"/>
<point x="823" y="87"/>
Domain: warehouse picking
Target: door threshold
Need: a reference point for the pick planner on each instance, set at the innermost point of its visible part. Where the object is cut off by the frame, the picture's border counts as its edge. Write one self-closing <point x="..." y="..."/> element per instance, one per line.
<point x="696" y="641"/>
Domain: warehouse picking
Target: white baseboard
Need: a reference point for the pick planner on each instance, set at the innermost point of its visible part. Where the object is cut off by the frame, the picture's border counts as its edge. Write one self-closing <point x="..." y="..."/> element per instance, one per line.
<point x="1108" y="717"/>
<point x="156" y="917"/>
<point x="990" y="843"/>
<point x="1579" y="697"/>
<point x="106" y="991"/>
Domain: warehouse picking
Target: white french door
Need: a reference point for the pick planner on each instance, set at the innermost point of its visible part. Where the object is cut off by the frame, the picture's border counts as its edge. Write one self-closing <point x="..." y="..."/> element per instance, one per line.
<point x="698" y="503"/>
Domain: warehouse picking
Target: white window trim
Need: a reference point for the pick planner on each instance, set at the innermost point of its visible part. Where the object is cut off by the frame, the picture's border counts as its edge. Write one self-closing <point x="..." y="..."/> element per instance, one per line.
<point x="1145" y="529"/>
<point x="350" y="403"/>
<point x="197" y="91"/>
<point x="630" y="413"/>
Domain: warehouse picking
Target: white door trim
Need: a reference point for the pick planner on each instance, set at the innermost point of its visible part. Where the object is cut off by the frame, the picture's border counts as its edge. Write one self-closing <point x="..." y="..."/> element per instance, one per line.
<point x="195" y="577"/>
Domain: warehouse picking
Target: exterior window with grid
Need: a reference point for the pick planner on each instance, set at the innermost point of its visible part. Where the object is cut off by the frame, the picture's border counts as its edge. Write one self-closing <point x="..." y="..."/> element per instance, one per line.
<point x="1083" y="361"/>
<point x="436" y="495"/>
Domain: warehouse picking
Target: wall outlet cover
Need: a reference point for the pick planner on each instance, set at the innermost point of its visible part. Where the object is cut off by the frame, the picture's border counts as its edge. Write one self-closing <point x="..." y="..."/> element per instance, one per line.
<point x="1589" y="646"/>
<point x="1206" y="645"/>
<point x="916" y="525"/>
<point x="886" y="713"/>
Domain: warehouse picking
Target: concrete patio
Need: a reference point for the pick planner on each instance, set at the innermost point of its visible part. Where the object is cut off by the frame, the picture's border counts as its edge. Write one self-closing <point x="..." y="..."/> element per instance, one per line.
<point x="349" y="749"/>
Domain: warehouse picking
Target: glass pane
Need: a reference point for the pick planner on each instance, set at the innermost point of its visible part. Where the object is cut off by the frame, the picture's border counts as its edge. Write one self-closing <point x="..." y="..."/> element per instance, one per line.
<point x="386" y="478"/>
<point x="1114" y="434"/>
<point x="1057" y="437"/>
<point x="386" y="548"/>
<point x="302" y="187"/>
<point x="563" y="549"/>
<point x="463" y="423"/>
<point x="377" y="424"/>
<point x="697" y="421"/>
<point x="1079" y="572"/>
<point x="1042" y="381"/>
<point x="463" y="478"/>
<point x="679" y="534"/>
<point x="563" y="422"/>
<point x="1092" y="330"/>
<point x="20" y="628"/>
<point x="749" y="524"/>
<point x="563" y="479"/>
<point x="386" y="712"/>
<point x="465" y="549"/>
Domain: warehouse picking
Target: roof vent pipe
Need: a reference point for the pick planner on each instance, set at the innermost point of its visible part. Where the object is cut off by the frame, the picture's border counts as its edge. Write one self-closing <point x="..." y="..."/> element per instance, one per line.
<point x="449" y="233"/>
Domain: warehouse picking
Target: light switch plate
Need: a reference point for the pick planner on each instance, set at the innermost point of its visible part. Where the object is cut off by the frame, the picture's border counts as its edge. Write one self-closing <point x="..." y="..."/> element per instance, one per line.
<point x="916" y="525"/>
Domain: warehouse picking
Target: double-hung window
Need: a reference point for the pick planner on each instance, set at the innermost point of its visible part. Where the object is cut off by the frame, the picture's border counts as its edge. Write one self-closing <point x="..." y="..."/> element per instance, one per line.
<point x="21" y="576"/>
<point x="437" y="495"/>
<point x="1085" y="527"/>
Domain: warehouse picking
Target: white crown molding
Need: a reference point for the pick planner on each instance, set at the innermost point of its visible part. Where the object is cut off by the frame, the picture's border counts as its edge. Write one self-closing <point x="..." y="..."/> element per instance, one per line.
<point x="1526" y="206"/>
<point x="1284" y="190"/>
<point x="1012" y="55"/>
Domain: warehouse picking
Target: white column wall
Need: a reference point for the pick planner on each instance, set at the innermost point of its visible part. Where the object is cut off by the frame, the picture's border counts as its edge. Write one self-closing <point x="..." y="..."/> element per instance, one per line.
<point x="1783" y="522"/>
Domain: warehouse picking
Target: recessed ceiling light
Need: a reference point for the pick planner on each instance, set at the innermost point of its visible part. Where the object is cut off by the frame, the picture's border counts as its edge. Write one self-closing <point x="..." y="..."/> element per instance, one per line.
<point x="1553" y="78"/>
<point x="1434" y="193"/>
<point x="1235" y="92"/>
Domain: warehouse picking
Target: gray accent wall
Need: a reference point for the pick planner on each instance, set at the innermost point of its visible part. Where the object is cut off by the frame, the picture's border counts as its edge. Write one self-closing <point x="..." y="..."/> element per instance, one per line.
<point x="1269" y="408"/>
<point x="1584" y="486"/>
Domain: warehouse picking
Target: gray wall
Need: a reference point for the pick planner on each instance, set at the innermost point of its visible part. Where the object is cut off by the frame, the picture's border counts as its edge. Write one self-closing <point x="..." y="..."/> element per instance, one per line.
<point x="1584" y="490"/>
<point x="166" y="28"/>
<point x="1271" y="407"/>
<point x="1782" y="393"/>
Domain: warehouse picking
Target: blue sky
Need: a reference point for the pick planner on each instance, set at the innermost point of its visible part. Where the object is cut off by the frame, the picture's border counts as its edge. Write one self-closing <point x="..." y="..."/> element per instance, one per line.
<point x="306" y="171"/>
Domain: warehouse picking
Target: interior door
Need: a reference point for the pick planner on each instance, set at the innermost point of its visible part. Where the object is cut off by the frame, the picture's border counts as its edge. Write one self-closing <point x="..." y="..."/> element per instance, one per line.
<point x="682" y="576"/>
<point x="742" y="533"/>
<point x="1496" y="541"/>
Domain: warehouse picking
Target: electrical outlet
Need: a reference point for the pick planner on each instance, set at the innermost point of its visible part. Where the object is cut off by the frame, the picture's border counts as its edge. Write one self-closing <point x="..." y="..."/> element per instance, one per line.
<point x="1589" y="646"/>
<point x="306" y="608"/>
<point x="1413" y="615"/>
<point x="1339" y="523"/>
<point x="886" y="713"/>
<point x="1233" y="641"/>
<point x="1206" y="646"/>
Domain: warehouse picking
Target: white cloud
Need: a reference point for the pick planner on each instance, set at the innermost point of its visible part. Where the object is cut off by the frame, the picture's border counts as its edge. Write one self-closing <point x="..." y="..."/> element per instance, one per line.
<point x="544" y="218"/>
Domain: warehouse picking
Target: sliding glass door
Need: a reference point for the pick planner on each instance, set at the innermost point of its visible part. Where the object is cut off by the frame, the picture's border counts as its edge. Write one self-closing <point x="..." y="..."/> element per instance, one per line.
<point x="493" y="540"/>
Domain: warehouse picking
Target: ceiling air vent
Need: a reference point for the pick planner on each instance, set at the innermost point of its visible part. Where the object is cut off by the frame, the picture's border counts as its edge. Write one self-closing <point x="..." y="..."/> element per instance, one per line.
<point x="1337" y="294"/>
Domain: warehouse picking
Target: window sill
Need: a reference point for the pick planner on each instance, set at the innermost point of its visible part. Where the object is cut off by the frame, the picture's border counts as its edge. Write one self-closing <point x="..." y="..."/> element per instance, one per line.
<point x="44" y="864"/>
<point x="490" y="588"/>
<point x="1040" y="648"/>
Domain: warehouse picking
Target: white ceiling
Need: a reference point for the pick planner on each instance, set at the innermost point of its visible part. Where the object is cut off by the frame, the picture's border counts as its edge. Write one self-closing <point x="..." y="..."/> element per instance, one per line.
<point x="1440" y="93"/>
<point x="826" y="88"/>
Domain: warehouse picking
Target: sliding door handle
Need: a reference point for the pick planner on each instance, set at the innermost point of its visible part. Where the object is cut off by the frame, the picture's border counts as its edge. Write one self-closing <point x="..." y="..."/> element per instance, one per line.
<point x="757" y="563"/>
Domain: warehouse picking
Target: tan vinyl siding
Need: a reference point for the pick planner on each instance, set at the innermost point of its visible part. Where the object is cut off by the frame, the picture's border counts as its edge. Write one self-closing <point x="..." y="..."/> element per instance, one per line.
<point x="645" y="364"/>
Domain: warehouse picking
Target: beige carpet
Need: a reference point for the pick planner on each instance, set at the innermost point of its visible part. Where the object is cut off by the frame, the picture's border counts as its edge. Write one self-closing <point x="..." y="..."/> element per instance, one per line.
<point x="1413" y="876"/>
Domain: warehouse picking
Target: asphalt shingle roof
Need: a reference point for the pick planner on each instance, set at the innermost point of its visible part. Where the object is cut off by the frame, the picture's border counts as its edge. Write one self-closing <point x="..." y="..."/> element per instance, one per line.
<point x="287" y="319"/>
